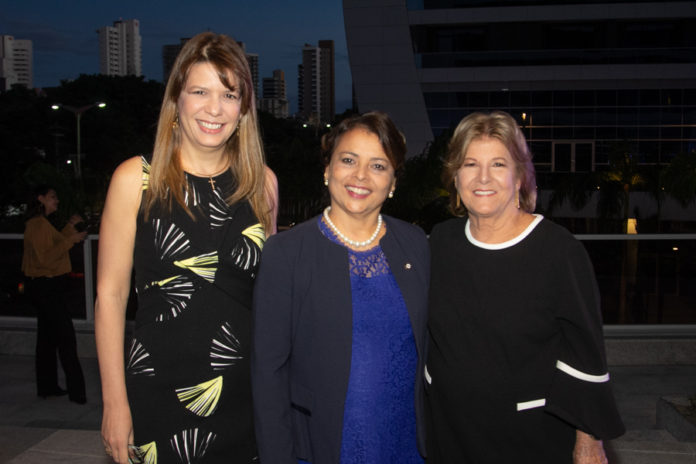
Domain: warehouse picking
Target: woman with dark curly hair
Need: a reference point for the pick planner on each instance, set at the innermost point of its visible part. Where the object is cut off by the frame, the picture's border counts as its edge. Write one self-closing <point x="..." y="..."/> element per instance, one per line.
<point x="339" y="316"/>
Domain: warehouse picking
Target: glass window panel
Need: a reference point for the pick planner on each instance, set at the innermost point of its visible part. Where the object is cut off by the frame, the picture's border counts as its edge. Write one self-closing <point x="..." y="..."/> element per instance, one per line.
<point x="670" y="116"/>
<point x="649" y="97"/>
<point x="627" y="98"/>
<point x="562" y="117"/>
<point x="562" y="157"/>
<point x="585" y="117"/>
<point x="562" y="133"/>
<point x="520" y="99"/>
<point x="500" y="100"/>
<point x="627" y="133"/>
<point x="671" y="97"/>
<point x="584" y="133"/>
<point x="563" y="98"/>
<point x="541" y="98"/>
<point x="606" y="97"/>
<point x="541" y="151"/>
<point x="583" y="157"/>
<point x="478" y="99"/>
<point x="627" y="116"/>
<point x="605" y="133"/>
<point x="461" y="99"/>
<point x="648" y="132"/>
<point x="537" y="133"/>
<point x="649" y="116"/>
<point x="689" y="96"/>
<point x="584" y="98"/>
<point x="670" y="132"/>
<point x="436" y="99"/>
<point x="690" y="116"/>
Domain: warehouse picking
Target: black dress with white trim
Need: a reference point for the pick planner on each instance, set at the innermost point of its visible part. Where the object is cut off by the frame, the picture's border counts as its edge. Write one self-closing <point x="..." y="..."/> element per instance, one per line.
<point x="516" y="361"/>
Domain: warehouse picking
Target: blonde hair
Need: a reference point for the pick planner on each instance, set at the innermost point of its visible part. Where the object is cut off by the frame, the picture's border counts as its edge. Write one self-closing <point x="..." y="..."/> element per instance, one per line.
<point x="244" y="149"/>
<point x="497" y="125"/>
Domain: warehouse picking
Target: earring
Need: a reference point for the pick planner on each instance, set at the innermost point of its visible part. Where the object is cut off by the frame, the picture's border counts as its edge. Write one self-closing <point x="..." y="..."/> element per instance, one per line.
<point x="326" y="181"/>
<point x="175" y="123"/>
<point x="458" y="201"/>
<point x="518" y="199"/>
<point x="391" y="194"/>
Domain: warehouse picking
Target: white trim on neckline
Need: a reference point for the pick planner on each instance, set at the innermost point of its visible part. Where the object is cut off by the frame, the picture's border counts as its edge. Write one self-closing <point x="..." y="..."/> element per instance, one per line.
<point x="499" y="246"/>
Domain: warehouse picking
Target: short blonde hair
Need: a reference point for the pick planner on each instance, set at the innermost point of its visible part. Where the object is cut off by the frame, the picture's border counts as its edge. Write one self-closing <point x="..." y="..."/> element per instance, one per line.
<point x="501" y="126"/>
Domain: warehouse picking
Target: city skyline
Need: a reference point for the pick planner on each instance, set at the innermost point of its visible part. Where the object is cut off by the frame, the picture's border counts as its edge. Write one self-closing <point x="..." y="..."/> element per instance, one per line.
<point x="65" y="40"/>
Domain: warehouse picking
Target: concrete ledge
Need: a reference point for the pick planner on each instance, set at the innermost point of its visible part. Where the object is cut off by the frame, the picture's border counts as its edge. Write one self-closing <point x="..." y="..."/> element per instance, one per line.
<point x="651" y="351"/>
<point x="670" y="419"/>
<point x="22" y="341"/>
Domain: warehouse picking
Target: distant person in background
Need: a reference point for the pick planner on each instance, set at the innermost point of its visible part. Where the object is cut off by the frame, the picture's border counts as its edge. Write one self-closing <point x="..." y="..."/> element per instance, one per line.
<point x="46" y="264"/>
<point x="516" y="363"/>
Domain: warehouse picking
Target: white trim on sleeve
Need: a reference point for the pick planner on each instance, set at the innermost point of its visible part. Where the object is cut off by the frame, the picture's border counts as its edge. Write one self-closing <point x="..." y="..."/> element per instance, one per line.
<point x="581" y="375"/>
<point x="427" y="375"/>
<point x="531" y="404"/>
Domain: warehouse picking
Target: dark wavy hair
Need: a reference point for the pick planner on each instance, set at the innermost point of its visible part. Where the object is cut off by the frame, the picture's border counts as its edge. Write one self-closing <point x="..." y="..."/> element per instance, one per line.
<point x="379" y="123"/>
<point x="34" y="206"/>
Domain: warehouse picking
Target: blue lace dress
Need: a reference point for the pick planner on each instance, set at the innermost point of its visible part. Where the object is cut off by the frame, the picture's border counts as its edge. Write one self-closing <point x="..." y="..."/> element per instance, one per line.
<point x="379" y="421"/>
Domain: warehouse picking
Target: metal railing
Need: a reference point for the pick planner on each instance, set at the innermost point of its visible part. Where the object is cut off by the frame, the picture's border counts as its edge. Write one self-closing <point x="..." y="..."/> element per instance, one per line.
<point x="647" y="282"/>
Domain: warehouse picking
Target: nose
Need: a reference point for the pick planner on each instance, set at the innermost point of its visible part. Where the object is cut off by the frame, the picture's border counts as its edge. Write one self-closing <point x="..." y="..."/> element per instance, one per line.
<point x="361" y="172"/>
<point x="213" y="105"/>
<point x="484" y="174"/>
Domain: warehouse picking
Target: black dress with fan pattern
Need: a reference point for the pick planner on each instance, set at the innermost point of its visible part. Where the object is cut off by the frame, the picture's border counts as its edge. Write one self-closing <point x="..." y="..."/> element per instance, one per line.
<point x="187" y="366"/>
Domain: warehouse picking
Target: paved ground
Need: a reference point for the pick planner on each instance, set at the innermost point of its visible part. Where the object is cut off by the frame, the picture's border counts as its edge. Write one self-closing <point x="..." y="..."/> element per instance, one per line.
<point x="54" y="430"/>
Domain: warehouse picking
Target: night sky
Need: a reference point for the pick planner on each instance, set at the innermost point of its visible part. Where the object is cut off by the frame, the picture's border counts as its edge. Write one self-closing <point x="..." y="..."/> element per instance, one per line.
<point x="66" y="44"/>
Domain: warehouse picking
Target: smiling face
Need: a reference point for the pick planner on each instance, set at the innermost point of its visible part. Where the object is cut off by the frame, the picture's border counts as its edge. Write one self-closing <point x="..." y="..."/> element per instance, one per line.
<point x="487" y="180"/>
<point x="49" y="202"/>
<point x="360" y="175"/>
<point x="208" y="111"/>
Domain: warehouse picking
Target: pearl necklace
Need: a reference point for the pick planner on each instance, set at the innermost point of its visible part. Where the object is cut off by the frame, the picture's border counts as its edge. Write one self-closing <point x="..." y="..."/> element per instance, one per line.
<point x="348" y="241"/>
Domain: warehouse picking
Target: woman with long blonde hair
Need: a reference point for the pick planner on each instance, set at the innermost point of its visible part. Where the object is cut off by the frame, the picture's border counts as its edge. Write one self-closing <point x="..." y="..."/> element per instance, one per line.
<point x="191" y="221"/>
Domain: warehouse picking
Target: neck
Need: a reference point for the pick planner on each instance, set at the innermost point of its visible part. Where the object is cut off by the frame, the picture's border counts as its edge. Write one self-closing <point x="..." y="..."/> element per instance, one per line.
<point x="499" y="229"/>
<point x="204" y="165"/>
<point x="353" y="231"/>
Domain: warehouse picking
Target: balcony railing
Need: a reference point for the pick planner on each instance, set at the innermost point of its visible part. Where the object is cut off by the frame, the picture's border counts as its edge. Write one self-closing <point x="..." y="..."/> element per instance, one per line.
<point x="646" y="281"/>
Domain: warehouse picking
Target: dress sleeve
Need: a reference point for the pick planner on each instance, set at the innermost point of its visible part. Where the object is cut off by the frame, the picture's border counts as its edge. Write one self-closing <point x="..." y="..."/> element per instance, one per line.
<point x="272" y="336"/>
<point x="47" y="245"/>
<point x="580" y="391"/>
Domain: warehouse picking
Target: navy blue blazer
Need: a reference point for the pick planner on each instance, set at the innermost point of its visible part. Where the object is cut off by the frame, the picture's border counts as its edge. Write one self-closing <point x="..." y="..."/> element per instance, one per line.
<point x="302" y="336"/>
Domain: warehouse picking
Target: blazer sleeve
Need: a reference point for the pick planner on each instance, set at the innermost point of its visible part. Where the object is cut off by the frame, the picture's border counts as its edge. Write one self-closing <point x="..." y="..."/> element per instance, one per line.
<point x="271" y="347"/>
<point x="580" y="391"/>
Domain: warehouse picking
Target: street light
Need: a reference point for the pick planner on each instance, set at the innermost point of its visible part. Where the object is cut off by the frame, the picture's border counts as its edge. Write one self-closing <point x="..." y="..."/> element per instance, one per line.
<point x="78" y="115"/>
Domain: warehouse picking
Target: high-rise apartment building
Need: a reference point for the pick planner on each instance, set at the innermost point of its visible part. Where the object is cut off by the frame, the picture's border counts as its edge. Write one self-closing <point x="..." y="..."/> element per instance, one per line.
<point x="120" y="49"/>
<point x="253" y="61"/>
<point x="274" y="99"/>
<point x="16" y="62"/>
<point x="580" y="77"/>
<point x="169" y="54"/>
<point x="316" y="83"/>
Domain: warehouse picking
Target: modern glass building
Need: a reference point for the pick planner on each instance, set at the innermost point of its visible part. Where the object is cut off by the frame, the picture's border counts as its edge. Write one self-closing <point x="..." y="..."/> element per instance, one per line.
<point x="580" y="77"/>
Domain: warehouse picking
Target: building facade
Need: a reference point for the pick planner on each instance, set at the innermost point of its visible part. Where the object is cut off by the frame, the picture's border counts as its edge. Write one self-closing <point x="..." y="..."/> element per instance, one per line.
<point x="120" y="49"/>
<point x="316" y="83"/>
<point x="169" y="54"/>
<point x="16" y="62"/>
<point x="275" y="99"/>
<point x="581" y="78"/>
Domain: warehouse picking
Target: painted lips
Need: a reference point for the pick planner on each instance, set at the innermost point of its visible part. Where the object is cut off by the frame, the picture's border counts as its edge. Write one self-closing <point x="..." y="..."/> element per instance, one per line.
<point x="357" y="191"/>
